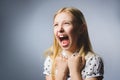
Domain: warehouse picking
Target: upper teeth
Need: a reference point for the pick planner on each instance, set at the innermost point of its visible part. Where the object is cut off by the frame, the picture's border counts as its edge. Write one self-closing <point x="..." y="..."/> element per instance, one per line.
<point x="61" y="36"/>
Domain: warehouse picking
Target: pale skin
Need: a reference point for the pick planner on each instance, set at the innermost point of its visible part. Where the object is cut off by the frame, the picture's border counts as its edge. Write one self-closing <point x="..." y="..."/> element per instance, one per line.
<point x="73" y="65"/>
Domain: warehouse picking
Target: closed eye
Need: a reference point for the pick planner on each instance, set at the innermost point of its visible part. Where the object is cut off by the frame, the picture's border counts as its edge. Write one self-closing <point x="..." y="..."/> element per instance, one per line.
<point x="66" y="23"/>
<point x="55" y="25"/>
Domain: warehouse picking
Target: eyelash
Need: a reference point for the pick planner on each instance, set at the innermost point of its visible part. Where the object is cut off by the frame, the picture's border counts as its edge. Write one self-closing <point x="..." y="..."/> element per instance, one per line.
<point x="66" y="23"/>
<point x="55" y="25"/>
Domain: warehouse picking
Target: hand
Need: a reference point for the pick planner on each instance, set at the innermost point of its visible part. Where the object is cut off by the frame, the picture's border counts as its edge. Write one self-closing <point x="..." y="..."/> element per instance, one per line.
<point x="61" y="68"/>
<point x="76" y="64"/>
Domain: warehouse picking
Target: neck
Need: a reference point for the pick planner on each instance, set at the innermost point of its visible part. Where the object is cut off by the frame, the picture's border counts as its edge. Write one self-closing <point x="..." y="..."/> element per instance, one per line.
<point x="69" y="53"/>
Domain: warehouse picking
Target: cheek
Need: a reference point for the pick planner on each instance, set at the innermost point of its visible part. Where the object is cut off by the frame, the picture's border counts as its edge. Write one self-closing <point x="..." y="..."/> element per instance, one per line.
<point x="74" y="35"/>
<point x="55" y="31"/>
<point x="73" y="32"/>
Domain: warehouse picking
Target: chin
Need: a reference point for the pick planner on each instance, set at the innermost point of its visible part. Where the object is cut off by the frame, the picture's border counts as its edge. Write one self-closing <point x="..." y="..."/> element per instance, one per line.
<point x="65" y="48"/>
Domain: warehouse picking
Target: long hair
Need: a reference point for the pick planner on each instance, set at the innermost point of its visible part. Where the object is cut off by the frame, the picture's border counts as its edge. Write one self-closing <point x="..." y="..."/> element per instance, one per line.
<point x="83" y="38"/>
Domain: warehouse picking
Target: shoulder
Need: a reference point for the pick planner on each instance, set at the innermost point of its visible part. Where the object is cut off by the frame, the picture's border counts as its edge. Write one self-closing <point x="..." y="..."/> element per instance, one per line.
<point x="47" y="65"/>
<point x="93" y="57"/>
<point x="48" y="59"/>
<point x="94" y="66"/>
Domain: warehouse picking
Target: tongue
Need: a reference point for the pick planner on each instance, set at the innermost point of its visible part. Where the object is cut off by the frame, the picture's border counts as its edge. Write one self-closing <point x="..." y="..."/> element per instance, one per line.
<point x="65" y="42"/>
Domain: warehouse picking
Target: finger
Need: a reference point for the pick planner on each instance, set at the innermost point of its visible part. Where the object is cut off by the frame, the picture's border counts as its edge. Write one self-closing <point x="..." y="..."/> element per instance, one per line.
<point x="58" y="58"/>
<point x="83" y="60"/>
<point x="73" y="55"/>
<point x="61" y="56"/>
<point x="64" y="58"/>
<point x="78" y="56"/>
<point x="80" y="59"/>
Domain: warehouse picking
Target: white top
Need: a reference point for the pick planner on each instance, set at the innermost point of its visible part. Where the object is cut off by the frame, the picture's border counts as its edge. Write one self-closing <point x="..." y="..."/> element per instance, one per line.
<point x="93" y="67"/>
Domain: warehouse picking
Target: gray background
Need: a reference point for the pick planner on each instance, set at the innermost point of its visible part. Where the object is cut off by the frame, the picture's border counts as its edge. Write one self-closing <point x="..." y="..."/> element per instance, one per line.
<point x="26" y="31"/>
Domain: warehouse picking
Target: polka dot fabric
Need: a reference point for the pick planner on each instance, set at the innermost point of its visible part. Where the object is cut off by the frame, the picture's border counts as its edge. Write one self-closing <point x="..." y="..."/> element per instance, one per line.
<point x="93" y="67"/>
<point x="47" y="66"/>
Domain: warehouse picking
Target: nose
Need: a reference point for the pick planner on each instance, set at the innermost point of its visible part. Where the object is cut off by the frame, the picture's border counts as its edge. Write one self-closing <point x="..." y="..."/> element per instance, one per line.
<point x="60" y="30"/>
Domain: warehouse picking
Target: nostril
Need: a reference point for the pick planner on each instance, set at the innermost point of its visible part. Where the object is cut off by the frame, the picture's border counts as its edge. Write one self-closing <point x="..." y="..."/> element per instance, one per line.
<point x="61" y="30"/>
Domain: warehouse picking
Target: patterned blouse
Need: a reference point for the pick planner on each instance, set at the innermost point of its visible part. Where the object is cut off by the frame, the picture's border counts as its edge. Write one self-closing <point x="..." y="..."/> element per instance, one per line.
<point x="93" y="67"/>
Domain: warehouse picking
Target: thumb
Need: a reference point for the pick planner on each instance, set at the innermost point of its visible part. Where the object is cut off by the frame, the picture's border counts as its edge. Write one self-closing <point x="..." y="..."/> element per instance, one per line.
<point x="83" y="60"/>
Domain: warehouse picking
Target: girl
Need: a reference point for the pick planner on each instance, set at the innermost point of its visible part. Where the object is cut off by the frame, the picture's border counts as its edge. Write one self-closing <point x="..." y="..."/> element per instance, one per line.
<point x="71" y="56"/>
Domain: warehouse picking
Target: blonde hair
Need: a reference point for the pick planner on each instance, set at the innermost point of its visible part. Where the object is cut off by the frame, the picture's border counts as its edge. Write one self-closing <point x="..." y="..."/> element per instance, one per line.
<point x="83" y="40"/>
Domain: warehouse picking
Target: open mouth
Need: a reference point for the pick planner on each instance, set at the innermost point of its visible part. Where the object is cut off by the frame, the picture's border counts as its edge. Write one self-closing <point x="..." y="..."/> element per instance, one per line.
<point x="64" y="40"/>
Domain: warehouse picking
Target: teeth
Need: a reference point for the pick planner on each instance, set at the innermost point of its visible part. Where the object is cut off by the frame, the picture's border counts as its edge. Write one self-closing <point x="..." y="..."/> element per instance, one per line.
<point x="61" y="36"/>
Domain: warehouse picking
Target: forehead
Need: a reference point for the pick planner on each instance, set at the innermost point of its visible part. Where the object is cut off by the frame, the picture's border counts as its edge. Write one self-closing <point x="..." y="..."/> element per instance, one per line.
<point x="63" y="16"/>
